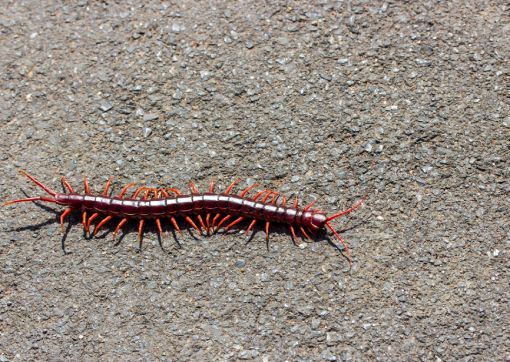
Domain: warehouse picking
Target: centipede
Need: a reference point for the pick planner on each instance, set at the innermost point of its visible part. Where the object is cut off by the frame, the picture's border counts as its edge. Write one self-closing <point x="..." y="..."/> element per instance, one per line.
<point x="207" y="213"/>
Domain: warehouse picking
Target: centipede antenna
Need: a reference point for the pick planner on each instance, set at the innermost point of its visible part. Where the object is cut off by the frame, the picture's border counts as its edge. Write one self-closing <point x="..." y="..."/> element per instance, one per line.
<point x="38" y="183"/>
<point x="347" y="252"/>
<point x="349" y="210"/>
<point x="38" y="198"/>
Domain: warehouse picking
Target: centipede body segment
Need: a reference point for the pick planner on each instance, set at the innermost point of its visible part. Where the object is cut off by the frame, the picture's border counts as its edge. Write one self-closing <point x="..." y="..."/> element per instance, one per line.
<point x="205" y="212"/>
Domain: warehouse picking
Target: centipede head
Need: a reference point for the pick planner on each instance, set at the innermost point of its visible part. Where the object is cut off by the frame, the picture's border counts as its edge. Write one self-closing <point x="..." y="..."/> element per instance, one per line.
<point x="49" y="191"/>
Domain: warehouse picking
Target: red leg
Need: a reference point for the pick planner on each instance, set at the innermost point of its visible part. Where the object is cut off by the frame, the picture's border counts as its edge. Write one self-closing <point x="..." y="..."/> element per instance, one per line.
<point x="232" y="185"/>
<point x="107" y="186"/>
<point x="267" y="230"/>
<point x="140" y="231"/>
<point x="174" y="223"/>
<point x="190" y="221"/>
<point x="207" y="222"/>
<point x="248" y="189"/>
<point x="86" y="184"/>
<point x="160" y="229"/>
<point x="225" y="219"/>
<point x="94" y="215"/>
<point x="233" y="223"/>
<point x="63" y="217"/>
<point x="211" y="186"/>
<point x="67" y="184"/>
<point x="84" y="220"/>
<point x="121" y="223"/>
<point x="304" y="232"/>
<point x="98" y="226"/>
<point x="292" y="232"/>
<point x="201" y="222"/>
<point x="216" y="217"/>
<point x="343" y="244"/>
<point x="252" y="224"/>
<point x="174" y="191"/>
<point x="309" y="205"/>
<point x="125" y="189"/>
<point x="193" y="188"/>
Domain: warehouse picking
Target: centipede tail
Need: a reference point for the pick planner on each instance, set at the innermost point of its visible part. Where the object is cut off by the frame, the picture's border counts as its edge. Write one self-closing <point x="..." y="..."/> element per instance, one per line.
<point x="204" y="212"/>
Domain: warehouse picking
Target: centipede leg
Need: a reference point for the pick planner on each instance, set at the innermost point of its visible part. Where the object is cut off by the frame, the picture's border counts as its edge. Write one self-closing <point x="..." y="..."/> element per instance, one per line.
<point x="174" y="223"/>
<point x="207" y="222"/>
<point x="190" y="221"/>
<point x="224" y="220"/>
<point x="201" y="223"/>
<point x="302" y="229"/>
<point x="140" y="233"/>
<point x="94" y="215"/>
<point x="252" y="224"/>
<point x="215" y="219"/>
<point x="84" y="220"/>
<point x="233" y="223"/>
<point x="119" y="226"/>
<point x="267" y="230"/>
<point x="160" y="229"/>
<point x="67" y="184"/>
<point x="293" y="233"/>
<point x="63" y="216"/>
<point x="232" y="185"/>
<point x="86" y="185"/>
<point x="98" y="226"/>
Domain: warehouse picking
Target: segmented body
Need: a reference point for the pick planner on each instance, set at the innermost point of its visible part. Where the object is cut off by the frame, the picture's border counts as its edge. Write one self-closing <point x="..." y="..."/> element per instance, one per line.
<point x="193" y="204"/>
<point x="211" y="210"/>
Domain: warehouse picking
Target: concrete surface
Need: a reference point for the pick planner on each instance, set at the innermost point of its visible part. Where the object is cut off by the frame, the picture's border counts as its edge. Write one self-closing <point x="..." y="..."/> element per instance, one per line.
<point x="301" y="98"/>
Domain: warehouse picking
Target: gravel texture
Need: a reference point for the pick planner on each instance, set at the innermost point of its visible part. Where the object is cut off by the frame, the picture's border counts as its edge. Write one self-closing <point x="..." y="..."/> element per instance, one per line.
<point x="409" y="102"/>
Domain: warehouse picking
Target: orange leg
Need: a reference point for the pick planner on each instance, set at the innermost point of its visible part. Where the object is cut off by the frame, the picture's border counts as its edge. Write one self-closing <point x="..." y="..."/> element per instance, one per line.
<point x="63" y="217"/>
<point x="267" y="230"/>
<point x="292" y="232"/>
<point x="117" y="229"/>
<point x="94" y="215"/>
<point x="232" y="185"/>
<point x="248" y="189"/>
<point x="107" y="186"/>
<point x="207" y="223"/>
<point x="309" y="205"/>
<point x="233" y="223"/>
<point x="304" y="232"/>
<point x="84" y="220"/>
<point x="252" y="224"/>
<point x="174" y="191"/>
<point x="190" y="221"/>
<point x="98" y="226"/>
<point x="160" y="229"/>
<point x="211" y="185"/>
<point x="125" y="189"/>
<point x="225" y="219"/>
<point x="140" y="231"/>
<point x="86" y="184"/>
<point x="193" y="188"/>
<point x="201" y="222"/>
<point x="174" y="223"/>
<point x="215" y="219"/>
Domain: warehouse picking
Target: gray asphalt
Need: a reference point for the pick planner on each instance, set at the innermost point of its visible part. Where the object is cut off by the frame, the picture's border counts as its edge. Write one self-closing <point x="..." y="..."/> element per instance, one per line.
<point x="408" y="102"/>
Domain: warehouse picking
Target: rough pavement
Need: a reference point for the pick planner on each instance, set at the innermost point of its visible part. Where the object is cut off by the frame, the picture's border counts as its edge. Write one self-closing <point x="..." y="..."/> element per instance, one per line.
<point x="409" y="102"/>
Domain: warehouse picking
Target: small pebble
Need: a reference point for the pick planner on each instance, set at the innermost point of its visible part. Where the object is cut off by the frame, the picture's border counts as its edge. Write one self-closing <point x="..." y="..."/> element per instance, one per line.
<point x="150" y="117"/>
<point x="106" y="106"/>
<point x="147" y="131"/>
